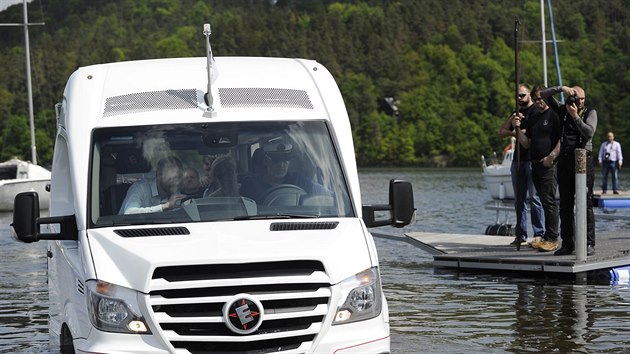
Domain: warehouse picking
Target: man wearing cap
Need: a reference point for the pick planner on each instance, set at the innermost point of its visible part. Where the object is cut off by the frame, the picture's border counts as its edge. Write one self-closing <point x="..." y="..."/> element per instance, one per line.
<point x="277" y="160"/>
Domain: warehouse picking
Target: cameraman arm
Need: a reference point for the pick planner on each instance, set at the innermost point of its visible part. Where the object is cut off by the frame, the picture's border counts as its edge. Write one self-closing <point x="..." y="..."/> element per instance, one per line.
<point x="588" y="125"/>
<point x="547" y="94"/>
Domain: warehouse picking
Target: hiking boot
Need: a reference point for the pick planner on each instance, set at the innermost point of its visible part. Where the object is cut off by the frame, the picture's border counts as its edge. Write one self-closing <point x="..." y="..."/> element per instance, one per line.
<point x="590" y="250"/>
<point x="548" y="246"/>
<point x="518" y="242"/>
<point x="536" y="242"/>
<point x="563" y="252"/>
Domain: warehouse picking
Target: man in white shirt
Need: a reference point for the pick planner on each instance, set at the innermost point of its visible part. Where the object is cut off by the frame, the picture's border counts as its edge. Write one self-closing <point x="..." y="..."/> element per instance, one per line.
<point x="611" y="159"/>
<point x="154" y="195"/>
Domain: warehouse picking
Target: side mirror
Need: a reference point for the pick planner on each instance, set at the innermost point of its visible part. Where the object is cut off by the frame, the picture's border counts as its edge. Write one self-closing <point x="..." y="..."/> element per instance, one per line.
<point x="26" y="221"/>
<point x="399" y="212"/>
<point x="25" y="214"/>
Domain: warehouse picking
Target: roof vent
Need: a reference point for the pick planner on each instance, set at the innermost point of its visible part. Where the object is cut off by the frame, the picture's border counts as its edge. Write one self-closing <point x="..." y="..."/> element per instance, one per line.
<point x="244" y="97"/>
<point x="151" y="101"/>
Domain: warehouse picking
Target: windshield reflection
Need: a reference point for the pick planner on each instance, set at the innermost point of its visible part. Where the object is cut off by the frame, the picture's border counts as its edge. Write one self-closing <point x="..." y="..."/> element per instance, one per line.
<point x="221" y="171"/>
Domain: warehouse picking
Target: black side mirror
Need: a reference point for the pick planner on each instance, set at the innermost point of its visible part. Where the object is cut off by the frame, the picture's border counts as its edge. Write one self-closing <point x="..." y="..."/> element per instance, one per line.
<point x="401" y="200"/>
<point x="26" y="221"/>
<point x="25" y="215"/>
<point x="399" y="212"/>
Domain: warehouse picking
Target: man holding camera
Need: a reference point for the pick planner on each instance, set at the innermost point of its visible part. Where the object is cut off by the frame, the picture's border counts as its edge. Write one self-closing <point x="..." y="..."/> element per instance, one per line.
<point x="578" y="127"/>
<point x="611" y="159"/>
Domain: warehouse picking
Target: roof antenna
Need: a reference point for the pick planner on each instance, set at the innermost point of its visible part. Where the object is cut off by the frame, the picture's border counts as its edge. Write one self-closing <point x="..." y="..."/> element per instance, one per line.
<point x="209" y="113"/>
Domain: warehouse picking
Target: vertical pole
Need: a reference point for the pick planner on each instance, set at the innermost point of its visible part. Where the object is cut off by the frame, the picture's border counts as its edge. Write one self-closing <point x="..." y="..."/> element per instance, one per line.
<point x="580" y="204"/>
<point x="29" y="86"/>
<point x="544" y="41"/>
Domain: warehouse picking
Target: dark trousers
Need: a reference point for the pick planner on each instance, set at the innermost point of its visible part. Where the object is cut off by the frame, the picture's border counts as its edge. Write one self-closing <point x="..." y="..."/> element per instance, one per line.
<point x="566" y="185"/>
<point x="546" y="185"/>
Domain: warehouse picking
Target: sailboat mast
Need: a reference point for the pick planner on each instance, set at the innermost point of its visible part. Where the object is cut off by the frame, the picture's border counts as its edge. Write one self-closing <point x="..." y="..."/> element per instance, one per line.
<point x="29" y="86"/>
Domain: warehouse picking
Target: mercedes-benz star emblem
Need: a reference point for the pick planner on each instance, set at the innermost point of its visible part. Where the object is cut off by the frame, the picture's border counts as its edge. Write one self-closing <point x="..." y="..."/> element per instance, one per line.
<point x="243" y="314"/>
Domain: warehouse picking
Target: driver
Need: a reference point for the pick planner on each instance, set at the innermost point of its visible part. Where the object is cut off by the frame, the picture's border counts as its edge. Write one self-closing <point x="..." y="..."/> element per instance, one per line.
<point x="276" y="162"/>
<point x="159" y="194"/>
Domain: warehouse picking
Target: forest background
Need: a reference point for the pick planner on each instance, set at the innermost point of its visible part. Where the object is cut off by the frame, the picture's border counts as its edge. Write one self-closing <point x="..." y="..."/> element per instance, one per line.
<point x="448" y="66"/>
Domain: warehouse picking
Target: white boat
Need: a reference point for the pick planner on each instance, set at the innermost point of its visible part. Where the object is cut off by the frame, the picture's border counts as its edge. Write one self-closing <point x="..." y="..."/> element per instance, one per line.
<point x="18" y="176"/>
<point x="498" y="177"/>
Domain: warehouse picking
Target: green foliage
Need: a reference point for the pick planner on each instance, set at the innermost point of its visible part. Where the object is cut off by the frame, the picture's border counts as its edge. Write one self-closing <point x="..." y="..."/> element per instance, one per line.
<point x="449" y="64"/>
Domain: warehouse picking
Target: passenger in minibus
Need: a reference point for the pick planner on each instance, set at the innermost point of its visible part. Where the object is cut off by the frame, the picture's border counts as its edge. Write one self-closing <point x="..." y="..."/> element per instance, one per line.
<point x="152" y="195"/>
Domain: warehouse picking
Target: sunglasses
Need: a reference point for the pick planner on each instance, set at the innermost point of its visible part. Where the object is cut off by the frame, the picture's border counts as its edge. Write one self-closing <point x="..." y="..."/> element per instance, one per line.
<point x="521" y="95"/>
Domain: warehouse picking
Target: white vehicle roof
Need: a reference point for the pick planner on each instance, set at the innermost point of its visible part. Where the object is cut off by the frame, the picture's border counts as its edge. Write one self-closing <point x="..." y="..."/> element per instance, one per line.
<point x="170" y="91"/>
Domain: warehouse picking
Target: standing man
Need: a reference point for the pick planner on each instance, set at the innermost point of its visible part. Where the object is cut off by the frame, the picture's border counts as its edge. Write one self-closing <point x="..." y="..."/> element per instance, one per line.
<point x="522" y="182"/>
<point x="542" y="138"/>
<point x="578" y="128"/>
<point x="611" y="159"/>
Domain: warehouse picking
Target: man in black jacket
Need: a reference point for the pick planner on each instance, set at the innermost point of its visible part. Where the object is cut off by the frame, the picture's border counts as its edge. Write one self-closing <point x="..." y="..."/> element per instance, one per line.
<point x="578" y="128"/>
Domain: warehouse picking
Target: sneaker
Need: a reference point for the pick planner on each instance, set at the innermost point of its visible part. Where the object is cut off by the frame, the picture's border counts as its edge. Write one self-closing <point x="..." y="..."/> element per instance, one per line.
<point x="615" y="192"/>
<point x="518" y="242"/>
<point x="590" y="250"/>
<point x="563" y="252"/>
<point x="548" y="246"/>
<point x="603" y="192"/>
<point x="536" y="242"/>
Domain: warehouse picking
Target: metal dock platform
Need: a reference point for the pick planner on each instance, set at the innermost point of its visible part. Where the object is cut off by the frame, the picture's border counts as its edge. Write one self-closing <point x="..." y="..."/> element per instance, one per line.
<point x="485" y="253"/>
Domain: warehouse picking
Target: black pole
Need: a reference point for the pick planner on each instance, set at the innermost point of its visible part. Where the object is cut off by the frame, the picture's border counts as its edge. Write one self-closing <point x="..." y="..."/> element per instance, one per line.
<point x="516" y="84"/>
<point x="517" y="130"/>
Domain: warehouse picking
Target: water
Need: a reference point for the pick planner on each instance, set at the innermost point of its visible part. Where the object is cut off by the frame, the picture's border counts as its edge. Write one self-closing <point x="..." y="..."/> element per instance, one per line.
<point x="430" y="310"/>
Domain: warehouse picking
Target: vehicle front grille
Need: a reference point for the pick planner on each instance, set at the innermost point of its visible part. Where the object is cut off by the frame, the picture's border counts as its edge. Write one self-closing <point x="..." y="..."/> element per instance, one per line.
<point x="188" y="304"/>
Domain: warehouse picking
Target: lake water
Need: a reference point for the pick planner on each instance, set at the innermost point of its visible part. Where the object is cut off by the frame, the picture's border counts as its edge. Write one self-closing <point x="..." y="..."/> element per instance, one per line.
<point x="430" y="310"/>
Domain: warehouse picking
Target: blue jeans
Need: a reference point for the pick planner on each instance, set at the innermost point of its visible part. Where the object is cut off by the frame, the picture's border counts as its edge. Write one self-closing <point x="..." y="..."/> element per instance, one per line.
<point x="610" y="166"/>
<point x="522" y="185"/>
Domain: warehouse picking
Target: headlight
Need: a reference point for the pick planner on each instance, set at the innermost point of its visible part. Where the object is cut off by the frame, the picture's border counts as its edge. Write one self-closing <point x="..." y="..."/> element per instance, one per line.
<point x="362" y="297"/>
<point x="115" y="308"/>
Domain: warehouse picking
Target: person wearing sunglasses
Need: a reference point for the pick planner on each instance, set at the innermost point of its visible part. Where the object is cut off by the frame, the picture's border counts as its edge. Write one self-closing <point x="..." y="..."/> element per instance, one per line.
<point x="522" y="176"/>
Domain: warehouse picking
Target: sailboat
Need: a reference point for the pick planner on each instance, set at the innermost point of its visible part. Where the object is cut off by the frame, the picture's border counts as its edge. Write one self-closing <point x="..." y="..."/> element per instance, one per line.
<point x="18" y="176"/>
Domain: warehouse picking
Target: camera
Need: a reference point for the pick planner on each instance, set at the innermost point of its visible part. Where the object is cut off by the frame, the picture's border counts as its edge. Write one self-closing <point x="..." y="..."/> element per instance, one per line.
<point x="573" y="100"/>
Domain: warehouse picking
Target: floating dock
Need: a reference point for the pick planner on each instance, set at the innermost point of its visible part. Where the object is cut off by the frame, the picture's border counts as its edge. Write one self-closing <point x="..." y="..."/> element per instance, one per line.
<point x="484" y="253"/>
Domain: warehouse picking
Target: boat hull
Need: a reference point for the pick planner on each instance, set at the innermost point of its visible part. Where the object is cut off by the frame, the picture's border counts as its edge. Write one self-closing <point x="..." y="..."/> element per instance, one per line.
<point x="10" y="188"/>
<point x="499" y="185"/>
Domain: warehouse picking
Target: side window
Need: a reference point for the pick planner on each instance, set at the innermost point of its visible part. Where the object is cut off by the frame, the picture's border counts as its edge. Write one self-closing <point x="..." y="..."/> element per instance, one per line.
<point x="61" y="190"/>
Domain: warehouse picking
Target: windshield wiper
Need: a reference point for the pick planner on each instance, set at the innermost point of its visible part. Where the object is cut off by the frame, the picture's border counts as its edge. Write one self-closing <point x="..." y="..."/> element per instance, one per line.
<point x="275" y="216"/>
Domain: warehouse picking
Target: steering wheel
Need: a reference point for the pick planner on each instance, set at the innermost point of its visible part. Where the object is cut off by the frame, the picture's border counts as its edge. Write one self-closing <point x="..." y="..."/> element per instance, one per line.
<point x="283" y="194"/>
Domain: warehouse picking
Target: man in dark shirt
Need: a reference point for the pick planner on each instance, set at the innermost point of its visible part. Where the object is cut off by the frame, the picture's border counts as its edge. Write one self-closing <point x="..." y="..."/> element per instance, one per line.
<point x="542" y="138"/>
<point x="522" y="182"/>
<point x="277" y="159"/>
<point x="578" y="128"/>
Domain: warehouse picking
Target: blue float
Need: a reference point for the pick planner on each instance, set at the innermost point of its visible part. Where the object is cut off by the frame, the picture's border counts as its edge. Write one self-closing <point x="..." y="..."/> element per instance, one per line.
<point x="614" y="203"/>
<point x="620" y="275"/>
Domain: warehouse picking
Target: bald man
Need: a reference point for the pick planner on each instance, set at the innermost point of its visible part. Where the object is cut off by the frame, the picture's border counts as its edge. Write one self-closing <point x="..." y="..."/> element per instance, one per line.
<point x="579" y="123"/>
